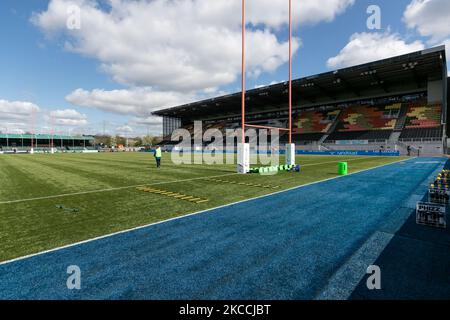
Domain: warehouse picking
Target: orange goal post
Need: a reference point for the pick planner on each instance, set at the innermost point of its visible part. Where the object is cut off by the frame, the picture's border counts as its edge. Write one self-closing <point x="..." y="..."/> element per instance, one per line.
<point x="244" y="148"/>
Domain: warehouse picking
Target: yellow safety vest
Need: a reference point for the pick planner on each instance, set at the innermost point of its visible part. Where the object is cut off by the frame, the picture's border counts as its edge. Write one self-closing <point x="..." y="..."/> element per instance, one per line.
<point x="158" y="153"/>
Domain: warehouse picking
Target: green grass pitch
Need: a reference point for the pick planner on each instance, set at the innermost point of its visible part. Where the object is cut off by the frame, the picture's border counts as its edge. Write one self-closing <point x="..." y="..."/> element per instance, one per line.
<point x="48" y="201"/>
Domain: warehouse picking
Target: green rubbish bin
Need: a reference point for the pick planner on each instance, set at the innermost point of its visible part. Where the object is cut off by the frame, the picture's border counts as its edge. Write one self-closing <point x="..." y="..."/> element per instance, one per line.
<point x="342" y="168"/>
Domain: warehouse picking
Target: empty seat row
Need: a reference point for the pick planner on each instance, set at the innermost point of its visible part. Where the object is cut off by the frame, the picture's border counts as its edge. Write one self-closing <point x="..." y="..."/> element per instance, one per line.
<point x="422" y="133"/>
<point x="360" y="135"/>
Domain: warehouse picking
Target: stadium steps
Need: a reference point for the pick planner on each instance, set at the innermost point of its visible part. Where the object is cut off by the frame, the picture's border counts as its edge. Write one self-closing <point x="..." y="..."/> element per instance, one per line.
<point x="395" y="136"/>
<point x="401" y="118"/>
<point x="322" y="140"/>
<point x="322" y="145"/>
<point x="332" y="128"/>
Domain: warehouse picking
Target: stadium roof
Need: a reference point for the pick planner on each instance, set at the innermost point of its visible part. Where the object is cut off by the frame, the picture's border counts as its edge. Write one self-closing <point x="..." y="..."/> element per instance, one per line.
<point x="403" y="74"/>
<point x="44" y="137"/>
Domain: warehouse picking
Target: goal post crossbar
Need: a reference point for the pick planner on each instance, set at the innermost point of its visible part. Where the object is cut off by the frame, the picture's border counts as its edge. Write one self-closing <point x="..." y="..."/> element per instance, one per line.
<point x="266" y="127"/>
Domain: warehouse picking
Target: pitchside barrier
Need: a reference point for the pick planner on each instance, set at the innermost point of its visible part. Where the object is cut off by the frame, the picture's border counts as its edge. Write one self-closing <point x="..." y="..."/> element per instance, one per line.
<point x="303" y="152"/>
<point x="350" y="153"/>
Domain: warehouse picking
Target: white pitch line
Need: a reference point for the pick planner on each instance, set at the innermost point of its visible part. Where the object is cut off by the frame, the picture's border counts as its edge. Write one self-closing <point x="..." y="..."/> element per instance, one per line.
<point x="312" y="164"/>
<point x="192" y="214"/>
<point x="111" y="189"/>
<point x="142" y="185"/>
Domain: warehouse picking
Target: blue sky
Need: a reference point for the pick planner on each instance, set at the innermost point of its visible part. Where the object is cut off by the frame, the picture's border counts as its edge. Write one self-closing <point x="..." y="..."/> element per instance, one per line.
<point x="115" y="73"/>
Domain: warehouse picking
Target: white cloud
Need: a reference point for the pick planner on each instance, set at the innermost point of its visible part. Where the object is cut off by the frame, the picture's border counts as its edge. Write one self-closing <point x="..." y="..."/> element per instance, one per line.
<point x="181" y="45"/>
<point x="173" y="52"/>
<point x="258" y="86"/>
<point x="17" y="109"/>
<point x="137" y="101"/>
<point x="16" y="116"/>
<point x="429" y="18"/>
<point x="147" y="121"/>
<point x="17" y="130"/>
<point x="147" y="125"/>
<point x="14" y="127"/>
<point x="366" y="47"/>
<point x="275" y="13"/>
<point x="68" y="117"/>
<point x="124" y="129"/>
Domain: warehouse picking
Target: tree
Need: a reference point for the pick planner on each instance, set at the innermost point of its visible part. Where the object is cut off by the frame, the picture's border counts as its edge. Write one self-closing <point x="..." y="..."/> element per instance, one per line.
<point x="120" y="140"/>
<point x="138" y="142"/>
<point x="104" y="140"/>
<point x="147" y="140"/>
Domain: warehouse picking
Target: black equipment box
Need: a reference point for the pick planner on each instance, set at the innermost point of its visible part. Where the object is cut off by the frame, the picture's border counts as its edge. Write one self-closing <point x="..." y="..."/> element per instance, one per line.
<point x="431" y="214"/>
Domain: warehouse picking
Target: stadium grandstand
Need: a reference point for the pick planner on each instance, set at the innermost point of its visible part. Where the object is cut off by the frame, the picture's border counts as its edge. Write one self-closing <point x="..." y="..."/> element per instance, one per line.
<point x="388" y="105"/>
<point x="41" y="143"/>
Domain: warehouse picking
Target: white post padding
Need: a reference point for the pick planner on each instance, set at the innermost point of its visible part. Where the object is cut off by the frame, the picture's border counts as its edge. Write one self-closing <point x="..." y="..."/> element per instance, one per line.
<point x="243" y="158"/>
<point x="290" y="154"/>
<point x="31" y="150"/>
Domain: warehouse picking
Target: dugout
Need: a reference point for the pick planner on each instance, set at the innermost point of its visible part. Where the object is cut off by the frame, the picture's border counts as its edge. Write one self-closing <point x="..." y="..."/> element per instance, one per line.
<point x="42" y="142"/>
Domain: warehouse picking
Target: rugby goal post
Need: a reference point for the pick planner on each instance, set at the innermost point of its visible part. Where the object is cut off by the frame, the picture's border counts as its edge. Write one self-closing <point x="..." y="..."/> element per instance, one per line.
<point x="243" y="151"/>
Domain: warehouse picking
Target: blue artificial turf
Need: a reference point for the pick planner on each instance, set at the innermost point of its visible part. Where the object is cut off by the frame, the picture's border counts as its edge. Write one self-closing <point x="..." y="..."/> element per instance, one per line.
<point x="284" y="246"/>
<point x="415" y="264"/>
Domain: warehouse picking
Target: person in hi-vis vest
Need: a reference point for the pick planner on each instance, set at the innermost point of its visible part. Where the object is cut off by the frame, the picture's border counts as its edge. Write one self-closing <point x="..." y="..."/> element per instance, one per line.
<point x="158" y="154"/>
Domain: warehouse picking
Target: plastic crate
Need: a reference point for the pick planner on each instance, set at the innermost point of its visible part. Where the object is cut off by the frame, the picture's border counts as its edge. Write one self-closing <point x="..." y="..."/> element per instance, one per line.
<point x="431" y="214"/>
<point x="439" y="195"/>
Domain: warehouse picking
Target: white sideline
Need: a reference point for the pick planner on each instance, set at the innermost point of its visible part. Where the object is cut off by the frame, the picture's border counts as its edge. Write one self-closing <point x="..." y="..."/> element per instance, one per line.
<point x="146" y="184"/>
<point x="360" y="158"/>
<point x="191" y="214"/>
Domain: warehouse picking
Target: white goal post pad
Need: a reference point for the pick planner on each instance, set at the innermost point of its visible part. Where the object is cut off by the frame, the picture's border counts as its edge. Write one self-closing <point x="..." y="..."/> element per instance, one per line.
<point x="290" y="154"/>
<point x="243" y="158"/>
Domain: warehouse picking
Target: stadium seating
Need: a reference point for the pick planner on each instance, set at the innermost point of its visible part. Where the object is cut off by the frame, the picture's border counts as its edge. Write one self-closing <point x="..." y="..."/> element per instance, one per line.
<point x="189" y="128"/>
<point x="372" y="123"/>
<point x="221" y="126"/>
<point x="423" y="122"/>
<point x="360" y="135"/>
<point x="367" y="118"/>
<point x="422" y="133"/>
<point x="168" y="139"/>
<point x="302" y="139"/>
<point x="314" y="122"/>
<point x="423" y="116"/>
<point x="310" y="126"/>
